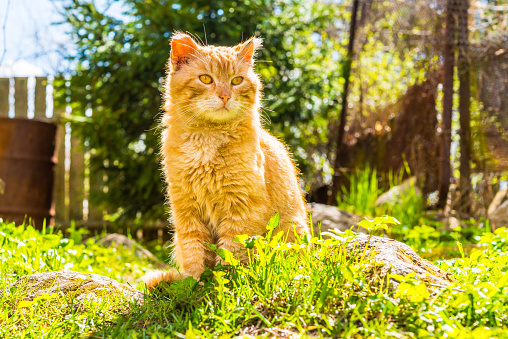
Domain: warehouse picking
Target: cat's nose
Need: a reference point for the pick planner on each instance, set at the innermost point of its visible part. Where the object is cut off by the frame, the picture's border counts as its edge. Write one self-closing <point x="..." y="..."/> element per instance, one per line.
<point x="225" y="98"/>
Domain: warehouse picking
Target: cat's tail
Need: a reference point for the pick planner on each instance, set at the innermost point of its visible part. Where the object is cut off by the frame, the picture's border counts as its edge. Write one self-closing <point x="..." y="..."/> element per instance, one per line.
<point x="152" y="279"/>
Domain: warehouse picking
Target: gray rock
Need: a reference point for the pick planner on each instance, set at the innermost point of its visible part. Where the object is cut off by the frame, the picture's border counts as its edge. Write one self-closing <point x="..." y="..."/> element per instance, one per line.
<point x="395" y="257"/>
<point x="80" y="285"/>
<point x="500" y="197"/>
<point x="116" y="239"/>
<point x="394" y="194"/>
<point x="498" y="209"/>
<point x="499" y="218"/>
<point x="331" y="217"/>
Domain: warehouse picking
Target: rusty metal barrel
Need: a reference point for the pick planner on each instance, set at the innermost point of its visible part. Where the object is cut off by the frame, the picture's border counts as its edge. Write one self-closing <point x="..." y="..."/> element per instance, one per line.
<point x="27" y="161"/>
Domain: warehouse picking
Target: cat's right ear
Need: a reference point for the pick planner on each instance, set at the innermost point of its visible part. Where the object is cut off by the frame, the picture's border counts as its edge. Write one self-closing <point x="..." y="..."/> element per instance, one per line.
<point x="182" y="48"/>
<point x="247" y="50"/>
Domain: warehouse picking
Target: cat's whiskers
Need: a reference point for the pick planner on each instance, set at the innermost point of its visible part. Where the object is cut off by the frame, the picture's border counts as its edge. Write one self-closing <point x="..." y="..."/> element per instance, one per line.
<point x="176" y="103"/>
<point x="264" y="118"/>
<point x="185" y="113"/>
<point x="266" y="109"/>
<point x="178" y="109"/>
<point x="246" y="108"/>
<point x="184" y="100"/>
<point x="193" y="117"/>
<point x="182" y="113"/>
<point x="186" y="105"/>
<point x="264" y="114"/>
<point x="190" y="103"/>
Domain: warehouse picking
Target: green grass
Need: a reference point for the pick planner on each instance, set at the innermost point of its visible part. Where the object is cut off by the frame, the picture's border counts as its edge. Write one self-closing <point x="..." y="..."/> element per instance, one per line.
<point x="314" y="288"/>
<point x="364" y="190"/>
<point x="362" y="194"/>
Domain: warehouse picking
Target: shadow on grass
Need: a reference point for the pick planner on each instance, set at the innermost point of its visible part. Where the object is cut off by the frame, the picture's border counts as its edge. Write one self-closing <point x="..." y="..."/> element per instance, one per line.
<point x="166" y="312"/>
<point x="186" y="309"/>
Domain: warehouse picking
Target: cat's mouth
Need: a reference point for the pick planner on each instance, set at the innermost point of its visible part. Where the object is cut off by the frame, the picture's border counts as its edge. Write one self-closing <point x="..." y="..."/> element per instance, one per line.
<point x="223" y="108"/>
<point x="223" y="113"/>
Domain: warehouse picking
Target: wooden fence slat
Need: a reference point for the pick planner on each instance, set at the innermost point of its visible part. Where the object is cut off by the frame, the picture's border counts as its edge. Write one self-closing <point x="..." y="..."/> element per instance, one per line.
<point x="61" y="211"/>
<point x="74" y="184"/>
<point x="4" y="96"/>
<point x="40" y="97"/>
<point x="20" y="96"/>
<point x="95" y="213"/>
<point x="76" y="177"/>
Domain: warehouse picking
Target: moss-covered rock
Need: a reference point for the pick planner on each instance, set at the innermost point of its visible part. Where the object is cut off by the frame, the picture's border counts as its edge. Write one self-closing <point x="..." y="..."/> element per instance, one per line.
<point x="396" y="258"/>
<point x="78" y="285"/>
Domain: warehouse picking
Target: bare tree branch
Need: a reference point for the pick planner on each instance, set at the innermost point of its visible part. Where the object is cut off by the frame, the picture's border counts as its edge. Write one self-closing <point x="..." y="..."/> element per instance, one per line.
<point x="5" y="31"/>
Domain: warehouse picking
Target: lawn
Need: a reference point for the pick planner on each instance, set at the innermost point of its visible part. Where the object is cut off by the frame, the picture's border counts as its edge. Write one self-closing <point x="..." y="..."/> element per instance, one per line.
<point x="312" y="289"/>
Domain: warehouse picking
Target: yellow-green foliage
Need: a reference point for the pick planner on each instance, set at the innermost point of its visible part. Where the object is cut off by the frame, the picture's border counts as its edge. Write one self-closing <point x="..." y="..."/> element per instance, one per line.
<point x="312" y="288"/>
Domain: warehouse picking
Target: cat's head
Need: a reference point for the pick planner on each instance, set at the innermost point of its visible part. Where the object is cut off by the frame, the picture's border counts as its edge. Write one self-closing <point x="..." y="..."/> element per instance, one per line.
<point x="211" y="83"/>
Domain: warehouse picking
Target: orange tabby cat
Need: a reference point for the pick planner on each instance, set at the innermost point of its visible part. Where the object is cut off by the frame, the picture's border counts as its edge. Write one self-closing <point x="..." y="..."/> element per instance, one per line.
<point x="226" y="175"/>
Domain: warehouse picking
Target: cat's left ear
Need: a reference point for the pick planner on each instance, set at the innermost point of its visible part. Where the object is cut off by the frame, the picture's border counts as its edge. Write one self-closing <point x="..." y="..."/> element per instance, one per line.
<point x="247" y="50"/>
<point x="182" y="48"/>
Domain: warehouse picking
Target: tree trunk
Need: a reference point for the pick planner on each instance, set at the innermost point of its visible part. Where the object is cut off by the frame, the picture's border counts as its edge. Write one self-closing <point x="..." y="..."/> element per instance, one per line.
<point x="332" y="197"/>
<point x="448" y="64"/>
<point x="464" y="108"/>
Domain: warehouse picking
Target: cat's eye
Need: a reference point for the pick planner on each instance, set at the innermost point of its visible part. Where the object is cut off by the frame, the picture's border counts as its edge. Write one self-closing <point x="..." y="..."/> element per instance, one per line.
<point x="237" y="80"/>
<point x="206" y="79"/>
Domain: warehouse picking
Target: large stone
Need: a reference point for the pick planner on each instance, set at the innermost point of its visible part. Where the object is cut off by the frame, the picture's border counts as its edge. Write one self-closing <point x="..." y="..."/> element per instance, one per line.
<point x="398" y="258"/>
<point x="80" y="285"/>
<point x="394" y="195"/>
<point x="330" y="217"/>
<point x="120" y="240"/>
<point x="498" y="209"/>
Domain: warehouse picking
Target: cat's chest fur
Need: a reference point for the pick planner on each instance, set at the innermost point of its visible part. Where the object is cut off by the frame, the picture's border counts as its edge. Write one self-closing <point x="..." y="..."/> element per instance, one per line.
<point x="203" y="148"/>
<point x="213" y="161"/>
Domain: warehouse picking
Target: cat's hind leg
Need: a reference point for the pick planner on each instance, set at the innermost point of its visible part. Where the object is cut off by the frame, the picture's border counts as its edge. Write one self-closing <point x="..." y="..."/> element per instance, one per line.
<point x="152" y="279"/>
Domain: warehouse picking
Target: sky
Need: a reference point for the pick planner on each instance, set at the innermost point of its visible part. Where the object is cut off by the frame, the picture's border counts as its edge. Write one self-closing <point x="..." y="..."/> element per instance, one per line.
<point x="31" y="43"/>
